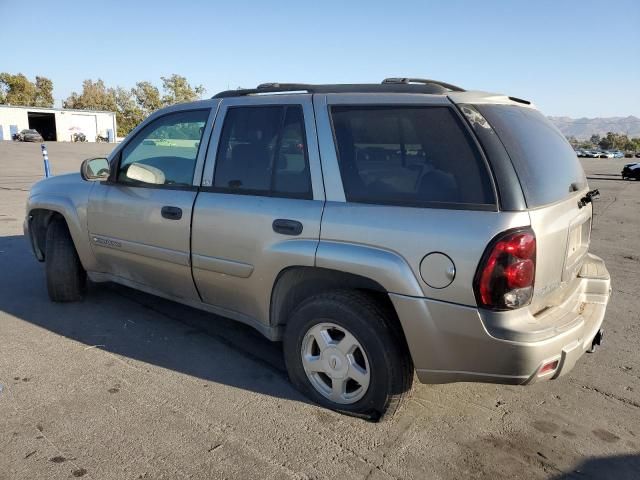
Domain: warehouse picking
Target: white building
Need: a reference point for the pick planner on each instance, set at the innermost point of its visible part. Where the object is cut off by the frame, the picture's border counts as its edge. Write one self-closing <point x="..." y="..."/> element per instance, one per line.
<point x="57" y="124"/>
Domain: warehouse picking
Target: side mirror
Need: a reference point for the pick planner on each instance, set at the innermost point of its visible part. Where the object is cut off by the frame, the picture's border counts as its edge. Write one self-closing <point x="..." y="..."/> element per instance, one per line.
<point x="95" y="169"/>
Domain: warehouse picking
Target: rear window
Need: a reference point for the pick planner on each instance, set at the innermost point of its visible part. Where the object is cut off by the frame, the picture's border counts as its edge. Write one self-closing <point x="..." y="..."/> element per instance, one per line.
<point x="547" y="166"/>
<point x="410" y="156"/>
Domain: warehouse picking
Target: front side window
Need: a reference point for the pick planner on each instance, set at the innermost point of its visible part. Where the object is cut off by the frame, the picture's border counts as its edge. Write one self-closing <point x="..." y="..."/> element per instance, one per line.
<point x="263" y="151"/>
<point x="165" y="151"/>
<point x="409" y="156"/>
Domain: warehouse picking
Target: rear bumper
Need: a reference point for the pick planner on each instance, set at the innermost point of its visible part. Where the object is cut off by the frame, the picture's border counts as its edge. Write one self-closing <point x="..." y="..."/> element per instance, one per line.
<point x="455" y="343"/>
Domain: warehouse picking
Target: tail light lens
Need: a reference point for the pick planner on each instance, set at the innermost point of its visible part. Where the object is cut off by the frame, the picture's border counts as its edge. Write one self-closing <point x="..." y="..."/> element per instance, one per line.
<point x="506" y="273"/>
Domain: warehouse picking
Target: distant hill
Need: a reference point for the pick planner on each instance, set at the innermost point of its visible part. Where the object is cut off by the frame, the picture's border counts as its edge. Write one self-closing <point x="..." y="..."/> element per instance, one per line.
<point x="583" y="128"/>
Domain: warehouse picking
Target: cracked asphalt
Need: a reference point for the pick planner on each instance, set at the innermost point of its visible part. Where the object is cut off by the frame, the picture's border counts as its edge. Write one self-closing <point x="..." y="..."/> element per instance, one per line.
<point x="128" y="386"/>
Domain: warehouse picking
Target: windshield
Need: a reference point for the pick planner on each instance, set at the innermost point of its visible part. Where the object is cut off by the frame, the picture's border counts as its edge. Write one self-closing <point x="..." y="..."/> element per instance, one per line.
<point x="547" y="166"/>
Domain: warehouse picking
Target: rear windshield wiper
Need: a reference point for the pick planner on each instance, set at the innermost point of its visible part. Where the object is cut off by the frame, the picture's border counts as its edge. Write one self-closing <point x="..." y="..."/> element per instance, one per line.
<point x="589" y="198"/>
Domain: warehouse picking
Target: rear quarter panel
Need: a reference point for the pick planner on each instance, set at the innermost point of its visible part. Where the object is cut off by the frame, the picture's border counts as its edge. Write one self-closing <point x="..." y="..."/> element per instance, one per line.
<point x="410" y="234"/>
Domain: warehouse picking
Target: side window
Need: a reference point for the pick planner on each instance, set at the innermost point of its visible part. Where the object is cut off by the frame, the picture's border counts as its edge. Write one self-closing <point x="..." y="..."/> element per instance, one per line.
<point x="410" y="156"/>
<point x="263" y="151"/>
<point x="165" y="151"/>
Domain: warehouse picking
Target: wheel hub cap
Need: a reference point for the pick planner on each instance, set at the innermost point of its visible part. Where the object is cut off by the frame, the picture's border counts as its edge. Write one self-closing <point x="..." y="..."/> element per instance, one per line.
<point x="335" y="363"/>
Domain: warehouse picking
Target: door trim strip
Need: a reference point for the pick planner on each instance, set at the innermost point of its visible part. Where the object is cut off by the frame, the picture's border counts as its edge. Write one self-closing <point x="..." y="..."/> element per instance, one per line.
<point x="221" y="265"/>
<point x="136" y="248"/>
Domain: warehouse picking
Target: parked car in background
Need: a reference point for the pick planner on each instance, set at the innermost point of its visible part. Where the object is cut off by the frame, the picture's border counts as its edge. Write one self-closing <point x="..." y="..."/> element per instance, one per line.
<point x="618" y="154"/>
<point x="628" y="155"/>
<point x="30" y="135"/>
<point x="373" y="229"/>
<point x="593" y="154"/>
<point x="638" y="155"/>
<point x="606" y="155"/>
<point x="631" y="171"/>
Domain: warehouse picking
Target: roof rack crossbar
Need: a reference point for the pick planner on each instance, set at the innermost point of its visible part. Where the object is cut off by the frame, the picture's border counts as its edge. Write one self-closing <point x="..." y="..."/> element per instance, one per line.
<point x="423" y="81"/>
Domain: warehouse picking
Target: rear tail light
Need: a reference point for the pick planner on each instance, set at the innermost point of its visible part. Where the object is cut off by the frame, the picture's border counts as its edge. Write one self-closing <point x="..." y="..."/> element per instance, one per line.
<point x="505" y="276"/>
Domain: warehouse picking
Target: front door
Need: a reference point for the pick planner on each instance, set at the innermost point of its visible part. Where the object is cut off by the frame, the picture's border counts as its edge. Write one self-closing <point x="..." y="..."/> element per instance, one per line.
<point x="259" y="209"/>
<point x="140" y="221"/>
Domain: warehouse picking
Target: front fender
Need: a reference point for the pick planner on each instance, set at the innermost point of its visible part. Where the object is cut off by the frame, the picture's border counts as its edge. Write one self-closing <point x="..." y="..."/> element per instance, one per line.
<point x="385" y="267"/>
<point x="74" y="211"/>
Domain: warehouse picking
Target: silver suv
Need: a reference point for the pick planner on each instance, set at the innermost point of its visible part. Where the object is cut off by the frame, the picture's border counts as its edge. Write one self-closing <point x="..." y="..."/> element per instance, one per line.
<point x="373" y="229"/>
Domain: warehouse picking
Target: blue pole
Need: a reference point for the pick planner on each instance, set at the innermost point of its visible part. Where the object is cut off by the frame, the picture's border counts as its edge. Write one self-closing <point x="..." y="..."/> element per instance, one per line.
<point x="45" y="157"/>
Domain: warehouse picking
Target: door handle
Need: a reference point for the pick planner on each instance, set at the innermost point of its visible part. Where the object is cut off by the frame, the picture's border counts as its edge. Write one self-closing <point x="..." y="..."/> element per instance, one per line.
<point x="287" y="227"/>
<point x="171" y="213"/>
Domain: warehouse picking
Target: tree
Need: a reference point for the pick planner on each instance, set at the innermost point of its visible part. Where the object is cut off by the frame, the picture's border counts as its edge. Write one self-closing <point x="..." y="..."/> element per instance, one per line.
<point x="132" y="105"/>
<point x="595" y="139"/>
<point x="128" y="113"/>
<point x="147" y="97"/>
<point x="572" y="140"/>
<point x="44" y="92"/>
<point x="606" y="143"/>
<point x="94" y="96"/>
<point x="178" y="90"/>
<point x="613" y="141"/>
<point x="16" y="89"/>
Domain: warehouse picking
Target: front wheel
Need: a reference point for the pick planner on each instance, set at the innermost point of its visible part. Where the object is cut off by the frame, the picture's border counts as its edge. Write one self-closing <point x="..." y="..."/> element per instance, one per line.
<point x="343" y="351"/>
<point x="66" y="278"/>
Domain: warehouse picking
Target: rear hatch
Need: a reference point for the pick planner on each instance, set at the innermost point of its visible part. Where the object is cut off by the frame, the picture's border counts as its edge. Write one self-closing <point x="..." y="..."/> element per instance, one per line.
<point x="553" y="182"/>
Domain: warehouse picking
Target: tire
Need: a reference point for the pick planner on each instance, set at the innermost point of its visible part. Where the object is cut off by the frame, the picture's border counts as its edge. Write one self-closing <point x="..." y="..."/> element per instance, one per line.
<point x="381" y="351"/>
<point x="66" y="278"/>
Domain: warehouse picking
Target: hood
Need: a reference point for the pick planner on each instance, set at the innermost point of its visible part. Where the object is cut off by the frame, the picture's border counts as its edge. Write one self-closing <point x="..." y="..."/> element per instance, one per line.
<point x="56" y="184"/>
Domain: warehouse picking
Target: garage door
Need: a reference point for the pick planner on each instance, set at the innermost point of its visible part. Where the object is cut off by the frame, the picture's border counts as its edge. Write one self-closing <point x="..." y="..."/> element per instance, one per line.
<point x="86" y="124"/>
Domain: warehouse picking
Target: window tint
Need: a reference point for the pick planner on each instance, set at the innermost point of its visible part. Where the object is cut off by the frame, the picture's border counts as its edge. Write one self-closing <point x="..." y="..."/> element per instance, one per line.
<point x="415" y="156"/>
<point x="165" y="151"/>
<point x="547" y="166"/>
<point x="263" y="151"/>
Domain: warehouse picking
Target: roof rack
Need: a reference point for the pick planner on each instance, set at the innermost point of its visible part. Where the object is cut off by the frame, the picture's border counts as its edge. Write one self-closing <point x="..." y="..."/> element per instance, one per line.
<point x="389" y="85"/>
<point x="422" y="81"/>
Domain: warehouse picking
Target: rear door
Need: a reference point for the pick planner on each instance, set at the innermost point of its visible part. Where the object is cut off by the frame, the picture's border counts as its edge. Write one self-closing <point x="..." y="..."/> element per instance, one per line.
<point x="553" y="182"/>
<point x="259" y="208"/>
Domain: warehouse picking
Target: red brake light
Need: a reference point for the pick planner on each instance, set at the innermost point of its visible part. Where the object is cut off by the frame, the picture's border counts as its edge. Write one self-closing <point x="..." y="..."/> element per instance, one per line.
<point x="520" y="274"/>
<point x="505" y="276"/>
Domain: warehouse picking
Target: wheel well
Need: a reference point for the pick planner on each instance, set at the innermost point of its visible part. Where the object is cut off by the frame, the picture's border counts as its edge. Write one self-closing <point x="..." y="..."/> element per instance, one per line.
<point x="295" y="284"/>
<point x="39" y="220"/>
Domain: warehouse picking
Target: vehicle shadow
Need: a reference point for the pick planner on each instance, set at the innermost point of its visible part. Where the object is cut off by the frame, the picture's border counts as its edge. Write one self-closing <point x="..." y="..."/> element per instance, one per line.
<point x="618" y="467"/>
<point x="145" y="328"/>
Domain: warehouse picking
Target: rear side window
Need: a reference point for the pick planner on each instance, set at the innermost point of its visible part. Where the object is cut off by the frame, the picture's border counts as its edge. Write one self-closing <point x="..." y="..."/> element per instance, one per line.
<point x="547" y="166"/>
<point x="410" y="156"/>
<point x="263" y="151"/>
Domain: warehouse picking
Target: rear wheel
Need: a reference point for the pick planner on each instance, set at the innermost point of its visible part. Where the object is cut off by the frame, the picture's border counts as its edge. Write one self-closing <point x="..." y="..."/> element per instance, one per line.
<point x="343" y="351"/>
<point x="66" y="278"/>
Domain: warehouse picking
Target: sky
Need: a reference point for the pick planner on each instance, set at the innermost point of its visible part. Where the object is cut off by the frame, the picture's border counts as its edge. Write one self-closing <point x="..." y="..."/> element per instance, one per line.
<point x="571" y="58"/>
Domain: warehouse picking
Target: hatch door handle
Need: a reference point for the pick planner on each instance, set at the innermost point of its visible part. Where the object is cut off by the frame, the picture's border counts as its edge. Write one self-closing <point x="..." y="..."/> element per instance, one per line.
<point x="287" y="227"/>
<point x="171" y="213"/>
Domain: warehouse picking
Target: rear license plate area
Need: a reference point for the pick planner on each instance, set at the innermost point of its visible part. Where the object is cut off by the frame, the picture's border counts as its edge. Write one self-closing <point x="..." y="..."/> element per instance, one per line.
<point x="577" y="246"/>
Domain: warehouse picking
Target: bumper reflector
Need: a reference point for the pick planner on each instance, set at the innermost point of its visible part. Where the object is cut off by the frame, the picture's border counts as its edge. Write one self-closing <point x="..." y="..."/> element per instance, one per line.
<point x="548" y="367"/>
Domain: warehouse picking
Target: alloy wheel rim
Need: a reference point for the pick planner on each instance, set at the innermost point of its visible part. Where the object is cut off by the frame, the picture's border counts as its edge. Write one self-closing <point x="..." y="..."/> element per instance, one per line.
<point x="335" y="363"/>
